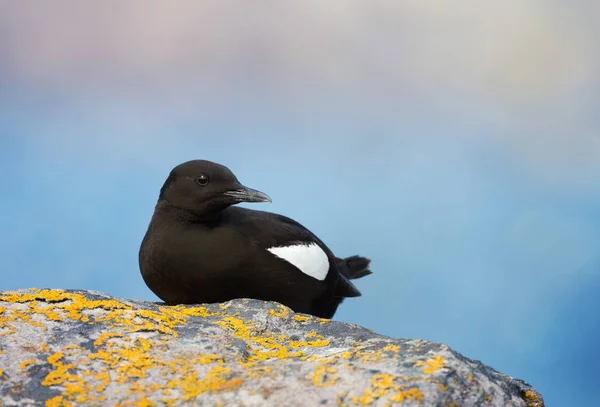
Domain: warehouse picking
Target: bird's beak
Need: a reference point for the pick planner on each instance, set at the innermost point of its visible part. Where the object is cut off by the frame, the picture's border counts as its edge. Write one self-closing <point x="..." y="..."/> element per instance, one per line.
<point x="245" y="194"/>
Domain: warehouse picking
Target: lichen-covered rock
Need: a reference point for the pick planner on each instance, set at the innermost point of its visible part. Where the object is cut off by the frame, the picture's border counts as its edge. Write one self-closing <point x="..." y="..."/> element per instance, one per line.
<point x="64" y="348"/>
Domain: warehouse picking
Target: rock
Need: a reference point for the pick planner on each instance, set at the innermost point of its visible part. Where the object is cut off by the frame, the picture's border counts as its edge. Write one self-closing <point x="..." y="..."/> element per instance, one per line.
<point x="64" y="348"/>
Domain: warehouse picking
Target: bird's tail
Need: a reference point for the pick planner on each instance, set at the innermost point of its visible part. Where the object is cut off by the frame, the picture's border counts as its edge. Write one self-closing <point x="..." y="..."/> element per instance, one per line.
<point x="351" y="268"/>
<point x="355" y="267"/>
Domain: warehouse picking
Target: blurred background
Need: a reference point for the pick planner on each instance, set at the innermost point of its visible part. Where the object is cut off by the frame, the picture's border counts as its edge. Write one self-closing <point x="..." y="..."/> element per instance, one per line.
<point x="457" y="144"/>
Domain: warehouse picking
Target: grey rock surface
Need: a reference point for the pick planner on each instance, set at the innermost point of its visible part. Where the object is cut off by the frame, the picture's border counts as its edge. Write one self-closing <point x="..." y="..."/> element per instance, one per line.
<point x="66" y="348"/>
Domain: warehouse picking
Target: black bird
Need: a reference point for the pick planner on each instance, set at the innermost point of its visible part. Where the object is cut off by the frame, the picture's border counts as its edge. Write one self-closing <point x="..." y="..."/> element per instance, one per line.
<point x="199" y="248"/>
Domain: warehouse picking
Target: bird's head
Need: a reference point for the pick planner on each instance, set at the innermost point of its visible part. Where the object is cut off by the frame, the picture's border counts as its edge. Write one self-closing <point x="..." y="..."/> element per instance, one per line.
<point x="205" y="187"/>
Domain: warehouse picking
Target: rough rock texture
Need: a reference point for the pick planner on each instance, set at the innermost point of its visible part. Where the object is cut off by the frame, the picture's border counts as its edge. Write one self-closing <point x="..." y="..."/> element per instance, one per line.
<point x="63" y="348"/>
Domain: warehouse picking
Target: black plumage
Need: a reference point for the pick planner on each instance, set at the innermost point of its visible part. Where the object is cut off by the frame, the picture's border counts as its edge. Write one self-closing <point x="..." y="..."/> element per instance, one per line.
<point x="199" y="248"/>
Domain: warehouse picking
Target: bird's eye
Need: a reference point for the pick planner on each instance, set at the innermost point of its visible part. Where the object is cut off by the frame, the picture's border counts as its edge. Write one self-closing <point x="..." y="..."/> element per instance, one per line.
<point x="202" y="179"/>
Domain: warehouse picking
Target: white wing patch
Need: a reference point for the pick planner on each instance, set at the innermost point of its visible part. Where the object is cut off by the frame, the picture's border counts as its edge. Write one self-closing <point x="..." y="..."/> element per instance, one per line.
<point x="308" y="258"/>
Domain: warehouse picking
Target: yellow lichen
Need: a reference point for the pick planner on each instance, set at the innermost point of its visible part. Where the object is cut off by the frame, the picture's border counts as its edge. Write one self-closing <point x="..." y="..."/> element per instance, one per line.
<point x="143" y="402"/>
<point x="322" y="376"/>
<point x="104" y="336"/>
<point x="410" y="394"/>
<point x="62" y="305"/>
<point x="346" y="355"/>
<point x="257" y="372"/>
<point x="74" y="306"/>
<point x="301" y="318"/>
<point x="387" y="385"/>
<point x="532" y="399"/>
<point x="267" y="346"/>
<point x="180" y="310"/>
<point x="363" y="354"/>
<point x="282" y="311"/>
<point x="133" y="343"/>
<point x="58" y="401"/>
<point x="129" y="360"/>
<point x="26" y="363"/>
<point x="391" y="348"/>
<point x="432" y="365"/>
<point x="304" y="344"/>
<point x="104" y="378"/>
<point x="49" y="313"/>
<point x="214" y="381"/>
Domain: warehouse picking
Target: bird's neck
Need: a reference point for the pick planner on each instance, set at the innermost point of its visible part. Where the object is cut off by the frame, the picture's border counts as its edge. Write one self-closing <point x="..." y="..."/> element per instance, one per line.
<point x="166" y="209"/>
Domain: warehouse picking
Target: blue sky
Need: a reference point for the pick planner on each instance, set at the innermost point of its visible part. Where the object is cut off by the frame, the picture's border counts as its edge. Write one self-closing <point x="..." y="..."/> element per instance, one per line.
<point x="457" y="146"/>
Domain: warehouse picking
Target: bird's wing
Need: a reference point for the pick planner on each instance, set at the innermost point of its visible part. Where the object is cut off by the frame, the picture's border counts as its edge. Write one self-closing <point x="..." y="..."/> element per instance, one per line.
<point x="271" y="231"/>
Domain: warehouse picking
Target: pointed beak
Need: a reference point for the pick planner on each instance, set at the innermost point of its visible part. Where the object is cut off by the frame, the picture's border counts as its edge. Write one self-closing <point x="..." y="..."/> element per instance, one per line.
<point x="245" y="194"/>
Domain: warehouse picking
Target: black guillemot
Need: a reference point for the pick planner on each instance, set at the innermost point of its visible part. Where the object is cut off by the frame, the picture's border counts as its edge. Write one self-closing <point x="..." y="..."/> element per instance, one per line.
<point x="199" y="248"/>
